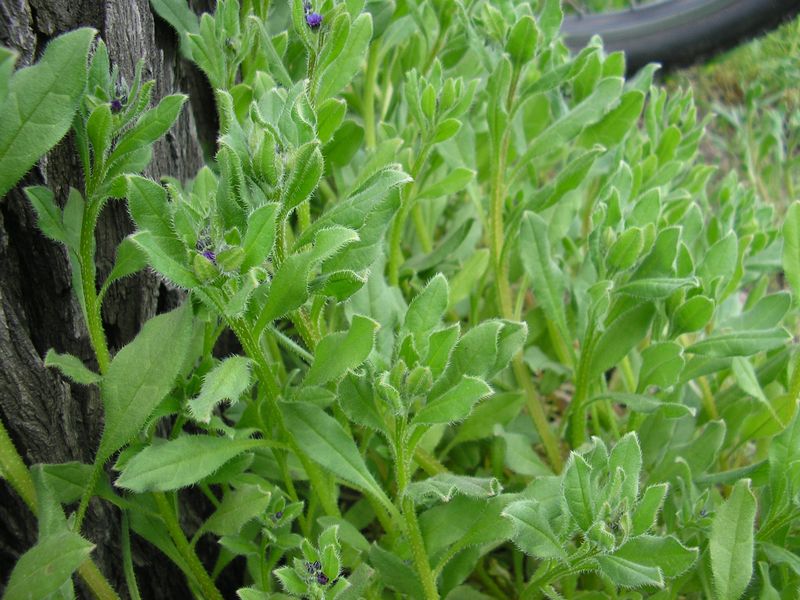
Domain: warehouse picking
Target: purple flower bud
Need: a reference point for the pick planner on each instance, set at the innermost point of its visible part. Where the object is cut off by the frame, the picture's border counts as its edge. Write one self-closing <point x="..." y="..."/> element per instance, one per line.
<point x="314" y="20"/>
<point x="309" y="567"/>
<point x="322" y="579"/>
<point x="278" y="514"/>
<point x="210" y="256"/>
<point x="317" y="565"/>
<point x="307" y="6"/>
<point x="116" y="105"/>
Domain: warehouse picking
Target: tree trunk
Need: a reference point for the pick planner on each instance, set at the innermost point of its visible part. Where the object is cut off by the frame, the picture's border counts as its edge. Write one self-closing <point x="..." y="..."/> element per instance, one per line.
<point x="50" y="419"/>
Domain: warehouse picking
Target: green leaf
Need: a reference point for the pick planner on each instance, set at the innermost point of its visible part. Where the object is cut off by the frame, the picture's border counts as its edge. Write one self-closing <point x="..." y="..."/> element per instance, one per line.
<point x="791" y="247"/>
<point x="625" y="250"/>
<point x="178" y="14"/>
<point x="731" y="543"/>
<point x="578" y="492"/>
<point x="550" y="19"/>
<point x="445" y="130"/>
<point x="532" y="532"/>
<point x="655" y="288"/>
<point x="338" y="352"/>
<point x="621" y="337"/>
<point x="99" y="128"/>
<point x="341" y="71"/>
<point x="466" y="278"/>
<point x="150" y="126"/>
<point x="546" y="278"/>
<point x="665" y="553"/>
<point x="180" y="462"/>
<point x="7" y="60"/>
<point x="48" y="215"/>
<point x="304" y="178"/>
<point x="43" y="569"/>
<point x="498" y="409"/>
<point x="692" y="315"/>
<point x="141" y="374"/>
<point x="768" y="312"/>
<point x="395" y="573"/>
<point x="522" y="40"/>
<point x="227" y="381"/>
<point x="325" y="442"/>
<point x="628" y="573"/>
<point x="72" y="367"/>
<point x="149" y="207"/>
<point x="445" y="486"/>
<point x="662" y="364"/>
<point x="40" y="104"/>
<point x="260" y="235"/>
<point x="646" y="404"/>
<point x="426" y="311"/>
<point x="455" y="404"/>
<point x="357" y="399"/>
<point x="129" y="259"/>
<point x="742" y="343"/>
<point x="613" y="127"/>
<point x="452" y="183"/>
<point x="646" y="511"/>
<point x="236" y="509"/>
<point x="627" y="456"/>
<point x="291" y="581"/>
<point x="330" y="115"/>
<point x="166" y="255"/>
<point x="568" y="126"/>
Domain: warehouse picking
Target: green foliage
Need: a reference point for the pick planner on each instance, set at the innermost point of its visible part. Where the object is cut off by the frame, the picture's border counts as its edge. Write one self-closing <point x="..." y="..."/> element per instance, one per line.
<point x="502" y="331"/>
<point x="38" y="103"/>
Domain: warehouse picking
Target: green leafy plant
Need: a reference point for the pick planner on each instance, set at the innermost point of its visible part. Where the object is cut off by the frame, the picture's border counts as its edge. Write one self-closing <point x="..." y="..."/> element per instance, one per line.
<point x="500" y="338"/>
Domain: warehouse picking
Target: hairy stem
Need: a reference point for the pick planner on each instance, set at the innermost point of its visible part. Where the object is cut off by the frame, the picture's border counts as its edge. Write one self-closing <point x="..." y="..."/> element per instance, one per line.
<point x="198" y="571"/>
<point x="16" y="473"/>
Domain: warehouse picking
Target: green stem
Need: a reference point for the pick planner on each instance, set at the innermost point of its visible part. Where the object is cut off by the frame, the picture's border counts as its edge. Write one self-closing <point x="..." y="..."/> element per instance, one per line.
<point x="579" y="398"/>
<point x="399" y="222"/>
<point x="87" y="493"/>
<point x="16" y="473"/>
<point x="96" y="581"/>
<point x="127" y="561"/>
<point x="417" y="544"/>
<point x="198" y="571"/>
<point x="370" y="81"/>
<point x="505" y="304"/>
<point x="14" y="470"/>
<point x="536" y="409"/>
<point x="94" y="321"/>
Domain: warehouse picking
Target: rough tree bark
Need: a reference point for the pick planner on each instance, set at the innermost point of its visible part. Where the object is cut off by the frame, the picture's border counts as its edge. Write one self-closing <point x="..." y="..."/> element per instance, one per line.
<point x="49" y="419"/>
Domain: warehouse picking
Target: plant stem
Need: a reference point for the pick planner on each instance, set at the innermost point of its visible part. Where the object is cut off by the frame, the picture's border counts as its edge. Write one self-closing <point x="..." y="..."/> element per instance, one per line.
<point x="576" y="409"/>
<point x="198" y="571"/>
<point x="370" y="81"/>
<point x="418" y="550"/>
<point x="399" y="222"/>
<point x="94" y="321"/>
<point x="14" y="470"/>
<point x="127" y="561"/>
<point x="504" y="301"/>
<point x="16" y="473"/>
<point x="87" y="494"/>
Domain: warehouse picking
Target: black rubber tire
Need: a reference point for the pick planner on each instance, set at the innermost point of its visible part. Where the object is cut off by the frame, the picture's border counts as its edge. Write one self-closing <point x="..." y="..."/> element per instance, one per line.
<point x="678" y="32"/>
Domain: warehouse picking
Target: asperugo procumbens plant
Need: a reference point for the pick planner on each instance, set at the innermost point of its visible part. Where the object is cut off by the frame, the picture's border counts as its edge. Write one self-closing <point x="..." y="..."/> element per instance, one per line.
<point x="503" y="334"/>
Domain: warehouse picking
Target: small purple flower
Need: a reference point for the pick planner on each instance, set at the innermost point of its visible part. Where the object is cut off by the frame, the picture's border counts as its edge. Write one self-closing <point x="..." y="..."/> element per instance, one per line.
<point x="322" y="579"/>
<point x="317" y="565"/>
<point x="116" y="105"/>
<point x="212" y="258"/>
<point x="310" y="568"/>
<point x="278" y="515"/>
<point x="314" y="20"/>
